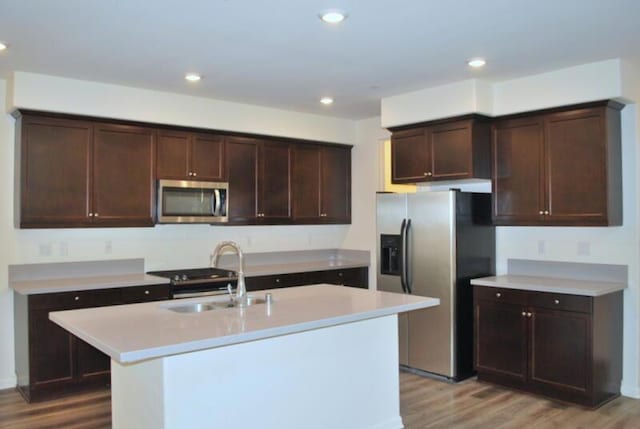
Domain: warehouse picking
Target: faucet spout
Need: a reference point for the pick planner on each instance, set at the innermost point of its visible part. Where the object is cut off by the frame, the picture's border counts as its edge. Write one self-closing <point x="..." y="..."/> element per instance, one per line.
<point x="241" y="291"/>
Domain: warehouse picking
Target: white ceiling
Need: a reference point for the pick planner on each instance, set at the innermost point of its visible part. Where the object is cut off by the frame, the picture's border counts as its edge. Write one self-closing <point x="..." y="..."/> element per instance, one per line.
<point x="278" y="53"/>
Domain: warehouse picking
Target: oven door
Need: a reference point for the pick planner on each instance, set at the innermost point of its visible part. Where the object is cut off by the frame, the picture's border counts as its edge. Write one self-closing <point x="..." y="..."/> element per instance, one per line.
<point x="201" y="289"/>
<point x="185" y="201"/>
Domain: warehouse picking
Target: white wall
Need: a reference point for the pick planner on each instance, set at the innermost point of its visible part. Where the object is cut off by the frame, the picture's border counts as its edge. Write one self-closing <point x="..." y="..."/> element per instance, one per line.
<point x="164" y="246"/>
<point x="614" y="245"/>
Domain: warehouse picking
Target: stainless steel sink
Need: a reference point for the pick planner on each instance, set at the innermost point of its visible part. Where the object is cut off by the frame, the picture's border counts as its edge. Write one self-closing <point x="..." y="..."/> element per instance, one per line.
<point x="250" y="300"/>
<point x="196" y="307"/>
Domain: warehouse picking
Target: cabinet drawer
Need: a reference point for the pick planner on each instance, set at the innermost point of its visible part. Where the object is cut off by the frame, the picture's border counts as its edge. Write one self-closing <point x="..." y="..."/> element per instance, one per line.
<point x="496" y="294"/>
<point x="559" y="301"/>
<point x="79" y="299"/>
<point x="135" y="294"/>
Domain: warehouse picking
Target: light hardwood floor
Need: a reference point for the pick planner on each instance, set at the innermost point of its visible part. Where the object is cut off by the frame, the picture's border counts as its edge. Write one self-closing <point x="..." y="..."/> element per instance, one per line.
<point x="424" y="403"/>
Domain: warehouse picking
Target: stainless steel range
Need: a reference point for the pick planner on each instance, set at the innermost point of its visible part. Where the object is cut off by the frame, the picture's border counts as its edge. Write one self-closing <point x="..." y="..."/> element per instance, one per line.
<point x="195" y="282"/>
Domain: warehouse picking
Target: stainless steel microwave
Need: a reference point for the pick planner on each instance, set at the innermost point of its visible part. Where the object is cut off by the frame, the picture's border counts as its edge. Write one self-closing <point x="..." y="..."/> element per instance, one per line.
<point x="187" y="201"/>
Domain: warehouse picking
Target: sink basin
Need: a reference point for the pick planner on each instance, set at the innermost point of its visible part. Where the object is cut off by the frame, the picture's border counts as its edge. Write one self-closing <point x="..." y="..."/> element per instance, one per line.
<point x="197" y="307"/>
<point x="251" y="300"/>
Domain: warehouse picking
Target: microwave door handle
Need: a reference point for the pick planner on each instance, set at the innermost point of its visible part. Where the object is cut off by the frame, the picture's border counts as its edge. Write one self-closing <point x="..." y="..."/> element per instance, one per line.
<point x="217" y="201"/>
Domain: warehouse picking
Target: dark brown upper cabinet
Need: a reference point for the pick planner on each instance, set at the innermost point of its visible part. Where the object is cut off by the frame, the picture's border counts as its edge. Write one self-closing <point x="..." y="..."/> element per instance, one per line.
<point x="259" y="181"/>
<point x="190" y="156"/>
<point x="321" y="184"/>
<point x="77" y="173"/>
<point x="559" y="167"/>
<point x="441" y="150"/>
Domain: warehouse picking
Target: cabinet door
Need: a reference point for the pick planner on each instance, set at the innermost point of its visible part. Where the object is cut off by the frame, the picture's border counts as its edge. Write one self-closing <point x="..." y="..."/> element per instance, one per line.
<point x="451" y="151"/>
<point x="335" y="187"/>
<point x="123" y="185"/>
<point x="518" y="182"/>
<point x="51" y="351"/>
<point x="410" y="160"/>
<point x="207" y="157"/>
<point x="275" y="182"/>
<point x="560" y="356"/>
<point x="55" y="172"/>
<point x="575" y="161"/>
<point x="93" y="365"/>
<point x="242" y="170"/>
<point x="306" y="184"/>
<point x="173" y="155"/>
<point x="501" y="340"/>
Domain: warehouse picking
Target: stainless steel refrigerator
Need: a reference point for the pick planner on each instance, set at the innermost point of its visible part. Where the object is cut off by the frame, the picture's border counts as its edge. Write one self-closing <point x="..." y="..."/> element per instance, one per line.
<point x="433" y="244"/>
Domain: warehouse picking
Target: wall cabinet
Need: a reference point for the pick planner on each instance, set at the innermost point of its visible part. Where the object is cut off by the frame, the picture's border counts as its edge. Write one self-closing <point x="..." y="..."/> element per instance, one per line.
<point x="49" y="360"/>
<point x="441" y="150"/>
<point x="190" y="156"/>
<point x="321" y="184"/>
<point x="559" y="167"/>
<point x="77" y="173"/>
<point x="259" y="181"/>
<point x="354" y="277"/>
<point x="567" y="347"/>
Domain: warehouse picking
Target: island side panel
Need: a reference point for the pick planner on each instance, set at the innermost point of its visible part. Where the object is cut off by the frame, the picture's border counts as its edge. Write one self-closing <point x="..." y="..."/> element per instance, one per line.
<point x="137" y="395"/>
<point x="344" y="376"/>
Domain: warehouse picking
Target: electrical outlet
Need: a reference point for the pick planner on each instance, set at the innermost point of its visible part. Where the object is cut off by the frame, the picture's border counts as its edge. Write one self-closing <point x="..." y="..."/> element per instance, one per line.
<point x="584" y="248"/>
<point x="108" y="247"/>
<point x="542" y="247"/>
<point x="44" y="249"/>
<point x="64" y="248"/>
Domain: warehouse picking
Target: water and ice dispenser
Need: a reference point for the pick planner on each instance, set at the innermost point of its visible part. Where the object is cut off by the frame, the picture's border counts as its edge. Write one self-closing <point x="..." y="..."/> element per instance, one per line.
<point x="390" y="254"/>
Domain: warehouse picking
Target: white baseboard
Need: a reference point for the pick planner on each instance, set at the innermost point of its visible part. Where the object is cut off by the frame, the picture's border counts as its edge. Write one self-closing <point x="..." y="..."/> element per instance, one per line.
<point x="630" y="391"/>
<point x="7" y="383"/>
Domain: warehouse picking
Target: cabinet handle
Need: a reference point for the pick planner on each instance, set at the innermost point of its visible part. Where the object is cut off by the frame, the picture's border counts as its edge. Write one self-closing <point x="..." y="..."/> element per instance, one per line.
<point x="556" y="301"/>
<point x="146" y="292"/>
<point x="77" y="298"/>
<point x="498" y="295"/>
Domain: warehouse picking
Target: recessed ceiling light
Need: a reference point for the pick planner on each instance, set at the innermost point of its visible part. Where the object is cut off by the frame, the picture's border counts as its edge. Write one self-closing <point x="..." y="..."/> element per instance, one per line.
<point x="3" y="46"/>
<point x="333" y="16"/>
<point x="476" y="63"/>
<point x="192" y="77"/>
<point x="326" y="100"/>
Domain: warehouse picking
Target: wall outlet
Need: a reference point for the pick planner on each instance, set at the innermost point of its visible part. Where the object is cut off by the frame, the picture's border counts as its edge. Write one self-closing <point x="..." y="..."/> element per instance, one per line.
<point x="542" y="247"/>
<point x="108" y="247"/>
<point x="64" y="248"/>
<point x="44" y="249"/>
<point x="584" y="248"/>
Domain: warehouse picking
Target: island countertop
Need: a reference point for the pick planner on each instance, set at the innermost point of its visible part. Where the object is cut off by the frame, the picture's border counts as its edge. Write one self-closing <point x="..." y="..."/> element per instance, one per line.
<point x="131" y="333"/>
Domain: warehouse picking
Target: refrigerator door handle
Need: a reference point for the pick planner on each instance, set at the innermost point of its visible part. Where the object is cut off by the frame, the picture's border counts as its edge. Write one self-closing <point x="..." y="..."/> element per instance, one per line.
<point x="403" y="280"/>
<point x="407" y="257"/>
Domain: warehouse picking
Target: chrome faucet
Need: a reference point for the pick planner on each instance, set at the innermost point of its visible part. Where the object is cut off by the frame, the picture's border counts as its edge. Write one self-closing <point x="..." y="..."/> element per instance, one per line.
<point x="241" y="291"/>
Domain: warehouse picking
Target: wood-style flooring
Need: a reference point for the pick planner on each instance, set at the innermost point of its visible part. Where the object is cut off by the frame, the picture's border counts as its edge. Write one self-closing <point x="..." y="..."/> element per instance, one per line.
<point x="424" y="403"/>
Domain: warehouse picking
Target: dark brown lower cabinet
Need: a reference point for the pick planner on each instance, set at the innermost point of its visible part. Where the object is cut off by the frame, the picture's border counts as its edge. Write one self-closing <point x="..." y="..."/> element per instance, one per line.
<point x="354" y="277"/>
<point x="50" y="361"/>
<point x="566" y="347"/>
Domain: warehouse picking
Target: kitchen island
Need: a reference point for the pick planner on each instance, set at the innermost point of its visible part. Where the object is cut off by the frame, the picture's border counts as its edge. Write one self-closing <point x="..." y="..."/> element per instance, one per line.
<point x="318" y="356"/>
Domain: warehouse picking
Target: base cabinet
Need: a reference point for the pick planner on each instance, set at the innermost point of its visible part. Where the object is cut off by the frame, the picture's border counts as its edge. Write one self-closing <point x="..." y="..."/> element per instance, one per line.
<point x="354" y="277"/>
<point x="566" y="347"/>
<point x="51" y="362"/>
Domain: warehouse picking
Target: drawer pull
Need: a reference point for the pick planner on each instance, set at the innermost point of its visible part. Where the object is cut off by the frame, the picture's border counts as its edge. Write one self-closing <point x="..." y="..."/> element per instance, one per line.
<point x="146" y="292"/>
<point x="529" y="314"/>
<point x="498" y="295"/>
<point x="277" y="280"/>
<point x="556" y="301"/>
<point x="77" y="298"/>
<point x="339" y="274"/>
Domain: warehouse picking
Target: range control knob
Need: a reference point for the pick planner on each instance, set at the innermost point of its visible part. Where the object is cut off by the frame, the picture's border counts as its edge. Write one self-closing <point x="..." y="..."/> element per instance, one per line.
<point x="176" y="278"/>
<point x="183" y="277"/>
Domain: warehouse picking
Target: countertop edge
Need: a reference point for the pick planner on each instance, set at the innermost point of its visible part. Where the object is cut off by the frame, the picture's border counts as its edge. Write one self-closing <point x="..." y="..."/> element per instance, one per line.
<point x="79" y="284"/>
<point x="604" y="288"/>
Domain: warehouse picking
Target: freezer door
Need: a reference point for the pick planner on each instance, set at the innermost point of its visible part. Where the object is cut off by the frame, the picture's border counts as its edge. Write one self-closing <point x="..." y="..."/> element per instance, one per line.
<point x="432" y="273"/>
<point x="391" y="211"/>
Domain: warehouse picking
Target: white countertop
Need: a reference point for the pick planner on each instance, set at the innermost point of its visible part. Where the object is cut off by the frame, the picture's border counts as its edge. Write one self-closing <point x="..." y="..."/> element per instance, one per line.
<point x="550" y="284"/>
<point x="32" y="287"/>
<point x="130" y="333"/>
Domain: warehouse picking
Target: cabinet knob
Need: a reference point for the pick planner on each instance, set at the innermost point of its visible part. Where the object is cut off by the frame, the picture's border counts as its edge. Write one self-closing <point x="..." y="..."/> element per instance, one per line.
<point x="425" y="173"/>
<point x="146" y="292"/>
<point x="95" y="215"/>
<point x="90" y="214"/>
<point x="546" y="212"/>
<point x="541" y="212"/>
<point x="339" y="274"/>
<point x="76" y="298"/>
<point x="529" y="314"/>
<point x="277" y="280"/>
<point x="524" y="313"/>
<point x="556" y="301"/>
<point x="429" y="174"/>
<point x="195" y="174"/>
<point x="498" y="295"/>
